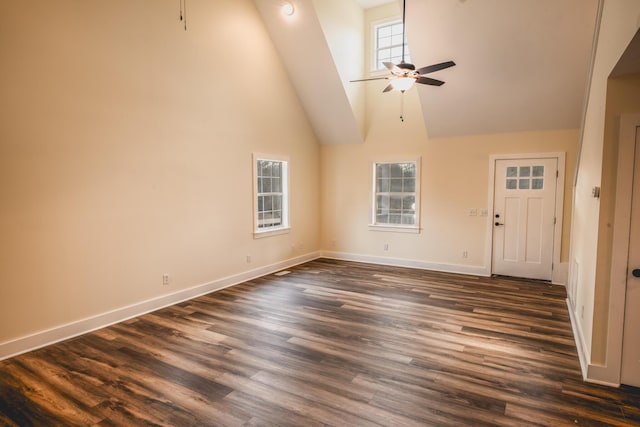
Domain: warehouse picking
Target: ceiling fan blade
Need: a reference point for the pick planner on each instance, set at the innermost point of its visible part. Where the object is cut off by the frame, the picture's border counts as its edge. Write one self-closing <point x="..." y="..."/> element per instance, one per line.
<point x="392" y="67"/>
<point x="366" y="80"/>
<point x="436" y="67"/>
<point x="389" y="88"/>
<point x="429" y="81"/>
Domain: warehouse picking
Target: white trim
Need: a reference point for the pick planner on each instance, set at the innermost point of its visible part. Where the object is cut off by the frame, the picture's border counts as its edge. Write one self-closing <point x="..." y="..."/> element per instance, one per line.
<point x="557" y="237"/>
<point x="74" y="329"/>
<point x="611" y="371"/>
<point x="407" y="228"/>
<point x="285" y="172"/>
<point x="578" y="337"/>
<point x="409" y="263"/>
<point x="392" y="229"/>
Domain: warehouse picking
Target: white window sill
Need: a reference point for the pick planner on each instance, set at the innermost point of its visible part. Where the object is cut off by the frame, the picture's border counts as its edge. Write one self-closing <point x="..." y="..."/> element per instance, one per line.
<point x="394" y="228"/>
<point x="271" y="232"/>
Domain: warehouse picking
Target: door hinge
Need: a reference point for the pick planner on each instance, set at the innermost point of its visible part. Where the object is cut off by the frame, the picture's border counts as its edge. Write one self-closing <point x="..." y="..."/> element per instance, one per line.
<point x="557" y="174"/>
<point x="554" y="220"/>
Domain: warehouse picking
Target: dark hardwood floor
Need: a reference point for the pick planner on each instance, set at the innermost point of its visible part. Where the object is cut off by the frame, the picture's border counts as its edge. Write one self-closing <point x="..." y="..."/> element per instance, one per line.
<point x="330" y="343"/>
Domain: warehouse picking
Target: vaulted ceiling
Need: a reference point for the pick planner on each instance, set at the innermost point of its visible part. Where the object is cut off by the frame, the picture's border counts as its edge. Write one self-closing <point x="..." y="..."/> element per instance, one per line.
<point x="521" y="65"/>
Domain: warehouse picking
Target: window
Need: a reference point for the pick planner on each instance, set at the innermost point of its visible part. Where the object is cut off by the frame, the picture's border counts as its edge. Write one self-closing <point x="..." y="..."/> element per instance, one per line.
<point x="396" y="195"/>
<point x="271" y="212"/>
<point x="387" y="37"/>
<point x="525" y="178"/>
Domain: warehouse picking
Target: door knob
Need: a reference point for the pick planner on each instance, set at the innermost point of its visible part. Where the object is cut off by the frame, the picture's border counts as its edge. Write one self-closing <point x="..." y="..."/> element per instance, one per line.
<point x="636" y="272"/>
<point x="499" y="224"/>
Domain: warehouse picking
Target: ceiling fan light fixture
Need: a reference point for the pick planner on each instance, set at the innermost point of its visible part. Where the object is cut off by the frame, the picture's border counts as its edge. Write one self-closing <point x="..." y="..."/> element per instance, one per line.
<point x="288" y="9"/>
<point x="402" y="83"/>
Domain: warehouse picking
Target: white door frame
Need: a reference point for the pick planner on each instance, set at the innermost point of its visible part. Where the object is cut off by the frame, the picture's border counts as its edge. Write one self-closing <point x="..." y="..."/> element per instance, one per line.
<point x="557" y="234"/>
<point x="610" y="373"/>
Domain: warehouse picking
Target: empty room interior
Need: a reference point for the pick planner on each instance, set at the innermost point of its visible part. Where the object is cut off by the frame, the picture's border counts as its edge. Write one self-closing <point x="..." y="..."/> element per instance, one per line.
<point x="319" y="212"/>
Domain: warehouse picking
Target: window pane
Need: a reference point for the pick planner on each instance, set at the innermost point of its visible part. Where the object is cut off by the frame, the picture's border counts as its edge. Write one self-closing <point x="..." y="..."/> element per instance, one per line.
<point x="396" y="28"/>
<point x="395" y="202"/>
<point x="277" y="166"/>
<point x="396" y="52"/>
<point x="384" y="42"/>
<point x="525" y="170"/>
<point x="512" y="171"/>
<point x="383" y="202"/>
<point x="382" y="219"/>
<point x="268" y="203"/>
<point x="396" y="40"/>
<point x="396" y="170"/>
<point x="384" y="54"/>
<point x="395" y="219"/>
<point x="538" y="171"/>
<point x="524" y="184"/>
<point x="396" y="185"/>
<point x="409" y="185"/>
<point x="265" y="168"/>
<point x="384" y="31"/>
<point x="260" y="203"/>
<point x="512" y="184"/>
<point x="266" y="185"/>
<point x="277" y="202"/>
<point x="259" y="185"/>
<point x="409" y="203"/>
<point x="276" y="186"/>
<point x="409" y="219"/>
<point x="409" y="169"/>
<point x="537" y="183"/>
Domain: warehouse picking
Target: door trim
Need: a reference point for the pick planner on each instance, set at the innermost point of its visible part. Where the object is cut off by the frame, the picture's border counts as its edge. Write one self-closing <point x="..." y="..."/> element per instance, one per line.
<point x="557" y="234"/>
<point x="611" y="371"/>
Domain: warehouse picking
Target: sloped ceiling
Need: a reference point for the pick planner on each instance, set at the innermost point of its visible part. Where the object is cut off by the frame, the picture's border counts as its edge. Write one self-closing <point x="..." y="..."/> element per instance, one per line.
<point x="521" y="65"/>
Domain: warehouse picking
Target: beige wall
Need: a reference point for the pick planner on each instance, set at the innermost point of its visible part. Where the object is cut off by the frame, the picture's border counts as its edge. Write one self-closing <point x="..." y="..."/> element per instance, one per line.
<point x="125" y="153"/>
<point x="455" y="178"/>
<point x="591" y="220"/>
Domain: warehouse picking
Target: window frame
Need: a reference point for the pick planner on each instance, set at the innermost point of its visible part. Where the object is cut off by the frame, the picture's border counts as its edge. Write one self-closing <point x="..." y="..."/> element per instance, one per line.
<point x="374" y="42"/>
<point x="285" y="226"/>
<point x="401" y="228"/>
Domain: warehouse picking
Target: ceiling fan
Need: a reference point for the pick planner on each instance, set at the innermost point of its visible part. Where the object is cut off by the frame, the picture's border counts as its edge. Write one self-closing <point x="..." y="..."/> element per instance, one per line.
<point x="404" y="75"/>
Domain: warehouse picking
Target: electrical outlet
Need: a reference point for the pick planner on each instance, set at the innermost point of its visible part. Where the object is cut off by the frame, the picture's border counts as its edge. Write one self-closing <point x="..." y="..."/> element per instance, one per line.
<point x="248" y="259"/>
<point x="465" y="254"/>
<point x="484" y="212"/>
<point x="473" y="212"/>
<point x="165" y="280"/>
<point x="386" y="246"/>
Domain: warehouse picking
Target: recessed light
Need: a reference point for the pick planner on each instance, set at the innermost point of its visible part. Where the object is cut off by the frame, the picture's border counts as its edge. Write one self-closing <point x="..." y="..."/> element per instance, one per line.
<point x="288" y="8"/>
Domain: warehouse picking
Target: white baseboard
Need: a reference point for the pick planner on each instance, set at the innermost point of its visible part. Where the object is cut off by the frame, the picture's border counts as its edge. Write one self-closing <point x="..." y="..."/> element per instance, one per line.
<point x="60" y="333"/>
<point x="583" y="353"/>
<point x="591" y="373"/>
<point x="402" y="262"/>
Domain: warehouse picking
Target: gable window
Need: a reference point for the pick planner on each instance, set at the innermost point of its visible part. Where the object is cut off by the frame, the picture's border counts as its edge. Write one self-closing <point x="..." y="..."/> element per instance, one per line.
<point x="271" y="195"/>
<point x="396" y="195"/>
<point x="388" y="41"/>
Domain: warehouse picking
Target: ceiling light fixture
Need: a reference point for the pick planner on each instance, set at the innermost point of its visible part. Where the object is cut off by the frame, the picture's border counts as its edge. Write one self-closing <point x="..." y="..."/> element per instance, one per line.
<point x="288" y="8"/>
<point x="402" y="83"/>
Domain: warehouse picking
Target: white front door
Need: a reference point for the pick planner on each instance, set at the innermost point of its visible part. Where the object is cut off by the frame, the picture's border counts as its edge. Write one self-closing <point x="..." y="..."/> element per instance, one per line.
<point x="630" y="373"/>
<point x="523" y="222"/>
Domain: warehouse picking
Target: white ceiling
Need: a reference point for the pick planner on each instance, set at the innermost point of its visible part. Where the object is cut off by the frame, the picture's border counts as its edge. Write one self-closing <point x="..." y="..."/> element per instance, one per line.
<point x="521" y="65"/>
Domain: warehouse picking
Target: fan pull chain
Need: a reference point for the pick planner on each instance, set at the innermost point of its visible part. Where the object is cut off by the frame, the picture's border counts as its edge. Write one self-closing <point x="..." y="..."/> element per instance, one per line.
<point x="183" y="13"/>
<point x="402" y="107"/>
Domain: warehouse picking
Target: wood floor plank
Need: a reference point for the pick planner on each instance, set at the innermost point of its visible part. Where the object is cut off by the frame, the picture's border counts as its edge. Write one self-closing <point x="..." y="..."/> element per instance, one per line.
<point x="330" y="343"/>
